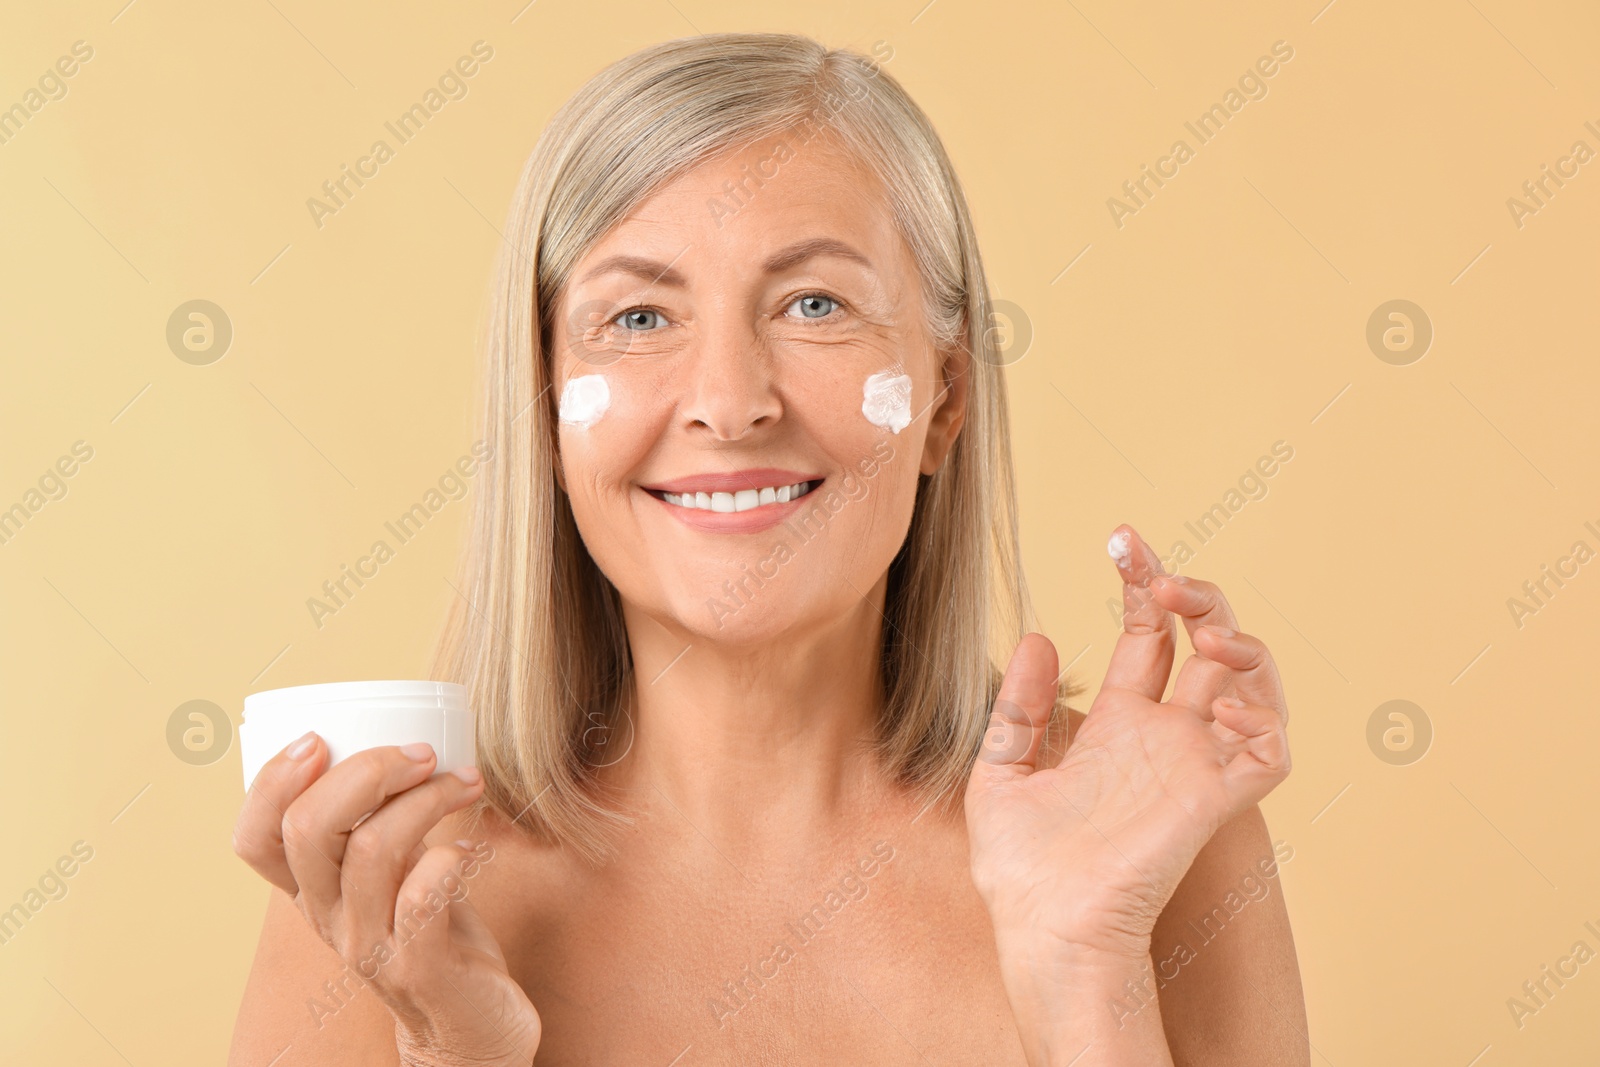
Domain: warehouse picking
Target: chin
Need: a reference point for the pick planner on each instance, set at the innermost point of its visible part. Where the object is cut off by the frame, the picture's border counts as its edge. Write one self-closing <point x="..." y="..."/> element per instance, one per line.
<point x="721" y="610"/>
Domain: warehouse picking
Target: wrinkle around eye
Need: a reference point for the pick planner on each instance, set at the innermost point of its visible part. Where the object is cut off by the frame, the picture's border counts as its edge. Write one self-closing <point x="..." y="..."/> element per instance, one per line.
<point x="805" y="336"/>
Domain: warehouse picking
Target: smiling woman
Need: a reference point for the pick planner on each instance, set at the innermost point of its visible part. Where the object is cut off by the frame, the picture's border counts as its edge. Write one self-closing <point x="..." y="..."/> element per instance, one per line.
<point x="794" y="409"/>
<point x="735" y="353"/>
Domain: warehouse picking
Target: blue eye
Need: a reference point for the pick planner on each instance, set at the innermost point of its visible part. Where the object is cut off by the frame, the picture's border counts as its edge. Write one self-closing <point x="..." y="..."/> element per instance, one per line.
<point x="629" y="320"/>
<point x="809" y="304"/>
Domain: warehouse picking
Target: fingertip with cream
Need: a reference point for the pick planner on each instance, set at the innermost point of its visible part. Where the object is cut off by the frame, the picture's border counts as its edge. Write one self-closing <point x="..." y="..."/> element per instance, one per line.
<point x="1120" y="547"/>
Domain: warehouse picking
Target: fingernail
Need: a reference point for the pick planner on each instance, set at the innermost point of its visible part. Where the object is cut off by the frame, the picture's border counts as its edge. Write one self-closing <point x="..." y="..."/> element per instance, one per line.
<point x="302" y="746"/>
<point x="417" y="750"/>
<point x="1120" y="549"/>
<point x="1222" y="631"/>
<point x="464" y="843"/>
<point x="469" y="775"/>
<point x="1232" y="702"/>
<point x="1161" y="581"/>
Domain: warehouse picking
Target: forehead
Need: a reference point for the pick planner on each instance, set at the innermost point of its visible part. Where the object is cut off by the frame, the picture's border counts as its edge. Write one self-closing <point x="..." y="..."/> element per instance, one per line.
<point x="761" y="197"/>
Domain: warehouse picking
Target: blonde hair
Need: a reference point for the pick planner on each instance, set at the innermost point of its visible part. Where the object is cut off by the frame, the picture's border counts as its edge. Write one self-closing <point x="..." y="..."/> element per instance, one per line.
<point x="536" y="631"/>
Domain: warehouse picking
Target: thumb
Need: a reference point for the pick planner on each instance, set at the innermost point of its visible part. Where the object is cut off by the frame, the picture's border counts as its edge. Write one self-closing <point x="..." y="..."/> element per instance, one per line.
<point x="473" y="932"/>
<point x="1021" y="712"/>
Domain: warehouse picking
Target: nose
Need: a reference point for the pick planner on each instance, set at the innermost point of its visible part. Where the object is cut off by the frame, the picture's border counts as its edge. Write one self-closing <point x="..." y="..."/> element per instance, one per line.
<point x="729" y="389"/>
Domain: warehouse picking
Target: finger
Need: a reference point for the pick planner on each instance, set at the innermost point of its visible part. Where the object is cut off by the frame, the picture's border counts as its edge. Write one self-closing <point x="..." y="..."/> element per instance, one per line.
<point x="469" y="929"/>
<point x="1021" y="712"/>
<point x="382" y="850"/>
<point x="317" y="824"/>
<point x="1196" y="601"/>
<point x="1253" y="773"/>
<point x="1229" y="743"/>
<point x="422" y="909"/>
<point x="1142" y="659"/>
<point x="1227" y="663"/>
<point x="258" y="834"/>
<point x="1200" y="681"/>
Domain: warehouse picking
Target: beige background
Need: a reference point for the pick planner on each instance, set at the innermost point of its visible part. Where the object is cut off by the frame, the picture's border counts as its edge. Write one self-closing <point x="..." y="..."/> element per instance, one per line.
<point x="1228" y="313"/>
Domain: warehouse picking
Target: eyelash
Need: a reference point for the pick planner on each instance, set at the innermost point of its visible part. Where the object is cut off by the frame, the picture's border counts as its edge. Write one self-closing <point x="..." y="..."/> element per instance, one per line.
<point x="840" y="305"/>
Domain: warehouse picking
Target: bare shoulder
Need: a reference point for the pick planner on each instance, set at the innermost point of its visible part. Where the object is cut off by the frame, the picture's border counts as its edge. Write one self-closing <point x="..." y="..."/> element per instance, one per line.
<point x="520" y="877"/>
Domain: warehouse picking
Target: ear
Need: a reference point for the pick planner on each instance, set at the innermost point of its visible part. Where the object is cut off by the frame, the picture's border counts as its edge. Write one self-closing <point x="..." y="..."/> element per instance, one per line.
<point x="949" y="410"/>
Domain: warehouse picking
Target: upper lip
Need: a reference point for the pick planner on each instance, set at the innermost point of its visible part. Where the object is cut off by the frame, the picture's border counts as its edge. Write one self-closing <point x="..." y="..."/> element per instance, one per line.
<point x="732" y="481"/>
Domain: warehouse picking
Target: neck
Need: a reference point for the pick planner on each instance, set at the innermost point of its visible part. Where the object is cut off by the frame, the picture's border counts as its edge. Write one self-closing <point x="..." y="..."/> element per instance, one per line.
<point x="755" y="742"/>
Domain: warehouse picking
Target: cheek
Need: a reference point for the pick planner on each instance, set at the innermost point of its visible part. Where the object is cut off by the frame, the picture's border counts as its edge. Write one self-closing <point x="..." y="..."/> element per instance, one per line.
<point x="586" y="445"/>
<point x="886" y="400"/>
<point x="585" y="400"/>
<point x="602" y="436"/>
<point x="863" y="419"/>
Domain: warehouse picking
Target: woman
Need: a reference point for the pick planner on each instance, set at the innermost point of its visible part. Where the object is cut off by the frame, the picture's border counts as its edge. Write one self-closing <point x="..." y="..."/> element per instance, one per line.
<point x="729" y="616"/>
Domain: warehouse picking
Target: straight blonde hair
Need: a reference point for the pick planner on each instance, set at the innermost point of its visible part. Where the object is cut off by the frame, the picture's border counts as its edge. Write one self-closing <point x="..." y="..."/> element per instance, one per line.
<point x="536" y="631"/>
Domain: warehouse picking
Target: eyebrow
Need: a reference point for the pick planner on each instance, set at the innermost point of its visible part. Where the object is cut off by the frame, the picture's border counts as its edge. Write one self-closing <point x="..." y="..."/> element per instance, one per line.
<point x="782" y="260"/>
<point x="801" y="251"/>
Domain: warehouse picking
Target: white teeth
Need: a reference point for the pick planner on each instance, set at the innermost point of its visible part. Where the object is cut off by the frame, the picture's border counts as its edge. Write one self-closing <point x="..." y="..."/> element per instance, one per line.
<point x="742" y="500"/>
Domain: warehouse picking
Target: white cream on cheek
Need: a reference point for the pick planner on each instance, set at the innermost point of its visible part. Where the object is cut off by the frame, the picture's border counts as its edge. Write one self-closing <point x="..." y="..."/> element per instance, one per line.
<point x="584" y="400"/>
<point x="886" y="401"/>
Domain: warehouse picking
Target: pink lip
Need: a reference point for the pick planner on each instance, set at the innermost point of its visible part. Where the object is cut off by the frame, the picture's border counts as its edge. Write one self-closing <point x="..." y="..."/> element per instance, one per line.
<point x="733" y="481"/>
<point x="736" y="522"/>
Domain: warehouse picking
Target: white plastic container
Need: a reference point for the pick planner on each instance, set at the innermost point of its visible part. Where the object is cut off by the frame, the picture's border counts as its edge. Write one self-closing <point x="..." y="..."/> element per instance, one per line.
<point x="351" y="716"/>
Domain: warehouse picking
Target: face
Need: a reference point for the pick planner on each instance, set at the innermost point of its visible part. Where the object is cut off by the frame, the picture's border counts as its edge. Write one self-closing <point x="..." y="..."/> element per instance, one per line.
<point x="748" y="391"/>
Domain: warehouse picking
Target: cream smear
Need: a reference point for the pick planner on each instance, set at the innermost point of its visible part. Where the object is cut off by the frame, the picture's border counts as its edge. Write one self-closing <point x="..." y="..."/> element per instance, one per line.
<point x="584" y="400"/>
<point x="886" y="401"/>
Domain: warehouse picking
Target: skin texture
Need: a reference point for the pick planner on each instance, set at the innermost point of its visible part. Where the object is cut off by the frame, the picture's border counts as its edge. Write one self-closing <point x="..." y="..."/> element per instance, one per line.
<point x="1000" y="934"/>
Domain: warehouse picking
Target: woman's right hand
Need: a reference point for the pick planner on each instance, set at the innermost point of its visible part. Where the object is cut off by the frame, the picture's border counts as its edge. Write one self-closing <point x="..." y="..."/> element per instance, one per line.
<point x="347" y="846"/>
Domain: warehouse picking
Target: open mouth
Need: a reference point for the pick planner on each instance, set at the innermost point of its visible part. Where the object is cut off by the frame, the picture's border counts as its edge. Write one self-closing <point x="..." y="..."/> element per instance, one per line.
<point x="737" y="500"/>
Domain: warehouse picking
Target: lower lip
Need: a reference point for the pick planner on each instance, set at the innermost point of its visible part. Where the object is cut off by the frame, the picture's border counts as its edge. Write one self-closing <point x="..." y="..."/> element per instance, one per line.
<point x="755" y="520"/>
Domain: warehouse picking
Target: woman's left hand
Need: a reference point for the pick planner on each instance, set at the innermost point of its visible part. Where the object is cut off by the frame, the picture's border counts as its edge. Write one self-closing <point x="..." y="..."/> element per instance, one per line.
<point x="1082" y="857"/>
